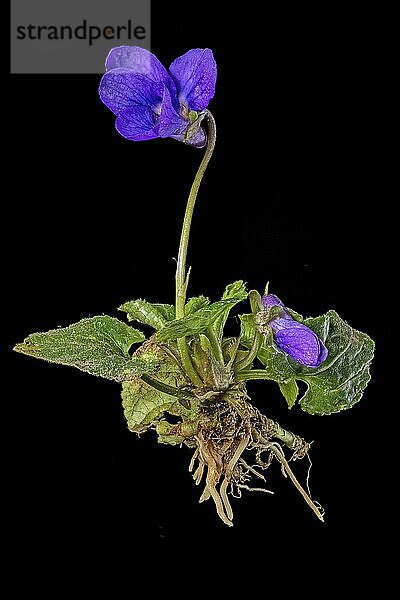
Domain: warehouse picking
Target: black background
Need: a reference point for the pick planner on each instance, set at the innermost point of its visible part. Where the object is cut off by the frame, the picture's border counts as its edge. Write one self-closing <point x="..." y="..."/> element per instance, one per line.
<point x="96" y="221"/>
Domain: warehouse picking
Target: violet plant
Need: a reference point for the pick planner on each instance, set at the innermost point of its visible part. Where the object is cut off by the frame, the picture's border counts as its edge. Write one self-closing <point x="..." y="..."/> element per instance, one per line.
<point x="187" y="380"/>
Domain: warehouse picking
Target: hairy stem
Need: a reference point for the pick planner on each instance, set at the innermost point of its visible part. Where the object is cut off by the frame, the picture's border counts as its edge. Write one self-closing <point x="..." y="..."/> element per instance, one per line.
<point x="256" y="306"/>
<point x="215" y="345"/>
<point x="290" y="439"/>
<point x="167" y="389"/>
<point x="252" y="353"/>
<point x="181" y="280"/>
<point x="251" y="374"/>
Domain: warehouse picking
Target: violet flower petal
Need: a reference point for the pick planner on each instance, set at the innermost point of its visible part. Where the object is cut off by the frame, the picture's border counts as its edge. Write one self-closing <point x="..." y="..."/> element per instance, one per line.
<point x="142" y="62"/>
<point x="139" y="60"/>
<point x="195" y="75"/>
<point x="171" y="122"/>
<point x="122" y="88"/>
<point x="299" y="341"/>
<point x="137" y="123"/>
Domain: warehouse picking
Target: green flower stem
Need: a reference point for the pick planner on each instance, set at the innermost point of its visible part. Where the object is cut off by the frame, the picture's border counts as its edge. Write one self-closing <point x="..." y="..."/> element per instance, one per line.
<point x="166" y="389"/>
<point x="215" y="345"/>
<point x="252" y="374"/>
<point x="252" y="354"/>
<point x="181" y="279"/>
<point x="256" y="306"/>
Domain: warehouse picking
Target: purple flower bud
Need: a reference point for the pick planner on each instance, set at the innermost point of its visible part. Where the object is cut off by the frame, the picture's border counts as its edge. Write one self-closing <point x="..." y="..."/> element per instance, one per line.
<point x="294" y="338"/>
<point x="269" y="300"/>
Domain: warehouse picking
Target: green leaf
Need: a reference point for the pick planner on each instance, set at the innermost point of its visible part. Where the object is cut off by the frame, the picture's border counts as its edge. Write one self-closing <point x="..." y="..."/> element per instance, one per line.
<point x="334" y="386"/>
<point x="142" y="403"/>
<point x="235" y="292"/>
<point x="167" y="434"/>
<point x="167" y="311"/>
<point x="144" y="312"/>
<point x="341" y="380"/>
<point x="290" y="391"/>
<point x="100" y="346"/>
<point x="194" y="304"/>
<point x="176" y="434"/>
<point x="195" y="323"/>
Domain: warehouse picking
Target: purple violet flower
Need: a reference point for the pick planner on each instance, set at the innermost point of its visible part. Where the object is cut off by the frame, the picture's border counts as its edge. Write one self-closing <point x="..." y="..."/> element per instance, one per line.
<point x="151" y="102"/>
<point x="294" y="338"/>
